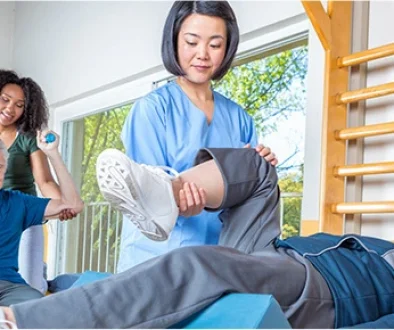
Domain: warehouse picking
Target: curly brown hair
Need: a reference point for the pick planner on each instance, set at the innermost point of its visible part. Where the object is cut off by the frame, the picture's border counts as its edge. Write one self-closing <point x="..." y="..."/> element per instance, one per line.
<point x="35" y="115"/>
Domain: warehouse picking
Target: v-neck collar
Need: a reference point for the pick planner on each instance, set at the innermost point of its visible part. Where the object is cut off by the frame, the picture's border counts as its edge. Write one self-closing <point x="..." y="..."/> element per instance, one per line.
<point x="13" y="142"/>
<point x="197" y="108"/>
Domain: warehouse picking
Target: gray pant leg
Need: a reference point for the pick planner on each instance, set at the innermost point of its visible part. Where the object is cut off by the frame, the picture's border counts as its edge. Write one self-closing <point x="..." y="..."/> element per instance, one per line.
<point x="251" y="215"/>
<point x="168" y="289"/>
<point x="15" y="293"/>
<point x="31" y="263"/>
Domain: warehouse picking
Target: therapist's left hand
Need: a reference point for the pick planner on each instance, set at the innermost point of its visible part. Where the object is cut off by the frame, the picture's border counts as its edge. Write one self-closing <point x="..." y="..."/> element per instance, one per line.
<point x="266" y="153"/>
<point x="192" y="200"/>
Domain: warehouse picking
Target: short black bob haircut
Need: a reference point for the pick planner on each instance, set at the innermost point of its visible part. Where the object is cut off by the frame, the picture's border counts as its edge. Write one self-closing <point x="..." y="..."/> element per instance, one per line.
<point x="179" y="11"/>
<point x="35" y="114"/>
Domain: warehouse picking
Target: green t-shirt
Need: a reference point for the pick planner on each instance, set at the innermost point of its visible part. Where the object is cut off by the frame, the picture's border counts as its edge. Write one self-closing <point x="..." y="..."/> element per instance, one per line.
<point x="19" y="175"/>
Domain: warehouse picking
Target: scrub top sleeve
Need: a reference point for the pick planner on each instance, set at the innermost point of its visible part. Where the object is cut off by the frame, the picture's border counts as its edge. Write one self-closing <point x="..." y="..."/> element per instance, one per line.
<point x="250" y="131"/>
<point x="144" y="133"/>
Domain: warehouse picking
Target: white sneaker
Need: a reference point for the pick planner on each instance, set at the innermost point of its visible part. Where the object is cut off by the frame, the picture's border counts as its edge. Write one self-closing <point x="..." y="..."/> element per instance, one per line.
<point x="141" y="192"/>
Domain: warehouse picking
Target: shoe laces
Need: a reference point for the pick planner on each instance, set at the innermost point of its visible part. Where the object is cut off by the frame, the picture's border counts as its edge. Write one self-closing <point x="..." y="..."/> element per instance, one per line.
<point x="161" y="171"/>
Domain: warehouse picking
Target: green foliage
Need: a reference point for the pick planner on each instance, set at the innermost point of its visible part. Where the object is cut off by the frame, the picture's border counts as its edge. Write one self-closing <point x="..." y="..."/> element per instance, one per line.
<point x="291" y="184"/>
<point x="269" y="88"/>
<point x="289" y="231"/>
<point x="102" y="131"/>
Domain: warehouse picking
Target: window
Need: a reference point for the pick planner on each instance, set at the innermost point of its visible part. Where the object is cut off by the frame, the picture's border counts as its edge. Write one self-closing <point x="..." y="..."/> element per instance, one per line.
<point x="92" y="241"/>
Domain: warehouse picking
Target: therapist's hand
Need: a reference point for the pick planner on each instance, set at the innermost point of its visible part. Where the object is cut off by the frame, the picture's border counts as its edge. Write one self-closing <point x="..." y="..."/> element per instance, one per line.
<point x="192" y="200"/>
<point x="266" y="153"/>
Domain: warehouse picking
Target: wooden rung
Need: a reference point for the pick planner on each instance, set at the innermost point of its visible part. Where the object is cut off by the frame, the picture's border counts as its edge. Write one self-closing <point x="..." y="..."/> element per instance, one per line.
<point x="364" y="169"/>
<point x="364" y="131"/>
<point x="366" y="55"/>
<point x="363" y="207"/>
<point x="365" y="93"/>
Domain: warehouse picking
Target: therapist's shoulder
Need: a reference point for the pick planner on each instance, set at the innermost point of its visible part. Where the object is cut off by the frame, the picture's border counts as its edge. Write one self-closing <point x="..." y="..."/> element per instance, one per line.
<point x="159" y="97"/>
<point x="230" y="105"/>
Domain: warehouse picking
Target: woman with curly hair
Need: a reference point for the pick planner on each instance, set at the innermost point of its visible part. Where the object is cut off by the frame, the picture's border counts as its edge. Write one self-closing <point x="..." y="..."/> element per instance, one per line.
<point x="23" y="112"/>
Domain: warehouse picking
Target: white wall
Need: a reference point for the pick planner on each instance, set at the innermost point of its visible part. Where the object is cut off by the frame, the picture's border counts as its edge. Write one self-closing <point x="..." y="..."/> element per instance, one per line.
<point x="78" y="48"/>
<point x="379" y="110"/>
<point x="255" y="15"/>
<point x="7" y="16"/>
<point x="313" y="128"/>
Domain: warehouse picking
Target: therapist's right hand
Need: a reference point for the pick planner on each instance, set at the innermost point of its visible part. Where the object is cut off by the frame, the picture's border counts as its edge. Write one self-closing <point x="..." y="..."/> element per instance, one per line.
<point x="192" y="200"/>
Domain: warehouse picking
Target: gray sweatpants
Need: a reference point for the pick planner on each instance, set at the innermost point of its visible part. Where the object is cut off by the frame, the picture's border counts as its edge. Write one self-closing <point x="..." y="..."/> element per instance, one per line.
<point x="15" y="293"/>
<point x="167" y="289"/>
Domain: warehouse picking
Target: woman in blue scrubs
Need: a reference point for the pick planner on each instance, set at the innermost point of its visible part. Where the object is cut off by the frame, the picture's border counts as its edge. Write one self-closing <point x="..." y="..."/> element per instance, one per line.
<point x="168" y="126"/>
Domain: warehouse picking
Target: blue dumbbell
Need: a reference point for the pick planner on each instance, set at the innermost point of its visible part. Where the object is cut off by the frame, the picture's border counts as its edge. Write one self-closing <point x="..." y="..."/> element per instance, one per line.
<point x="50" y="137"/>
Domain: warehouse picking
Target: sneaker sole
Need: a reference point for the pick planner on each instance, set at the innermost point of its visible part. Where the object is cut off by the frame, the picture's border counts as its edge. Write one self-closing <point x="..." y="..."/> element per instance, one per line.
<point x="112" y="165"/>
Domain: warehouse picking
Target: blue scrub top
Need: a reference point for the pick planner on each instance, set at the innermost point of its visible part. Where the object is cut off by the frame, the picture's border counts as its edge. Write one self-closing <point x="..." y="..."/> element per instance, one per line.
<point x="166" y="128"/>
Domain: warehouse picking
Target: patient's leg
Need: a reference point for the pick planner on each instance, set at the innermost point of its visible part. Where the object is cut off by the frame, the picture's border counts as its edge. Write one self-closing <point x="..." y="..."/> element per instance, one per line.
<point x="205" y="175"/>
<point x="145" y="194"/>
<point x="250" y="198"/>
<point x="245" y="186"/>
<point x="31" y="252"/>
<point x="237" y="180"/>
<point x="167" y="289"/>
